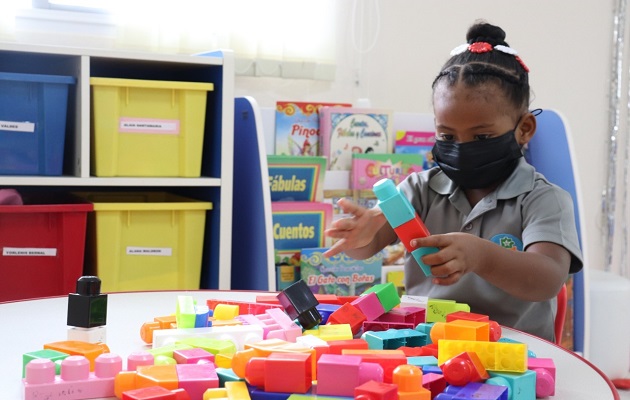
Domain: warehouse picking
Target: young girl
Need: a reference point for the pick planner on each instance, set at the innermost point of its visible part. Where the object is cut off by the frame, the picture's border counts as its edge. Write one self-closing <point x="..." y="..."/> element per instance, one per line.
<point x="506" y="236"/>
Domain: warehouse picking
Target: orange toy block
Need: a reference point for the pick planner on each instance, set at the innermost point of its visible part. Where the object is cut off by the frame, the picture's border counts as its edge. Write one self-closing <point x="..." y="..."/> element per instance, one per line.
<point x="408" y="378"/>
<point x="78" y="348"/>
<point x="464" y="368"/>
<point x="469" y="316"/>
<point x="264" y="348"/>
<point x="466" y="330"/>
<point x="281" y="372"/>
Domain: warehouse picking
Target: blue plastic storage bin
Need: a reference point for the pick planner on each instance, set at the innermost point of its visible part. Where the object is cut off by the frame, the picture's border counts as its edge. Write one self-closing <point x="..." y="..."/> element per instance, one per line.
<point x="33" y="111"/>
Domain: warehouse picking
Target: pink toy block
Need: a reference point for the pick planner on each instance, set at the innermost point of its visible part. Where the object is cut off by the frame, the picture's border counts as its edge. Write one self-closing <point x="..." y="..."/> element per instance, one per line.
<point x="370" y="306"/>
<point x="155" y="393"/>
<point x="545" y="370"/>
<point x="244" y="307"/>
<point x="339" y="375"/>
<point x="435" y="383"/>
<point x="193" y="356"/>
<point x="136" y="359"/>
<point x="75" y="381"/>
<point x="373" y="390"/>
<point x="275" y="323"/>
<point x="410" y="315"/>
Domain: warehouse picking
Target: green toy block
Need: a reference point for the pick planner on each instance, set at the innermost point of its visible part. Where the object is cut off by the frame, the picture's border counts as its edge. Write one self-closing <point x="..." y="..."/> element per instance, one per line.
<point x="52" y="355"/>
<point x="438" y="309"/>
<point x="214" y="346"/>
<point x="387" y="294"/>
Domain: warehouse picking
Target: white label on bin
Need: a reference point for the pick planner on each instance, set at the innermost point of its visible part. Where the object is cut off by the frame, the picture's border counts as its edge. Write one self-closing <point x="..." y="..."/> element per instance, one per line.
<point x="149" y="251"/>
<point x="17" y="126"/>
<point x="28" y="252"/>
<point x="143" y="125"/>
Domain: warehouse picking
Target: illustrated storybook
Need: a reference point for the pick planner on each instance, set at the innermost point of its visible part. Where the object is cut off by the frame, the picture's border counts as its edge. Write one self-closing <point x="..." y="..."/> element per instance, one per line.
<point x="296" y="178"/>
<point x="416" y="142"/>
<point x="345" y="131"/>
<point x="297" y="127"/>
<point x="367" y="169"/>
<point x="340" y="274"/>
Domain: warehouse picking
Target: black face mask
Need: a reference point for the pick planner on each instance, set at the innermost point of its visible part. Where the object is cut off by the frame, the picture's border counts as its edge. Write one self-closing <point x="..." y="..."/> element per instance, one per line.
<point x="478" y="164"/>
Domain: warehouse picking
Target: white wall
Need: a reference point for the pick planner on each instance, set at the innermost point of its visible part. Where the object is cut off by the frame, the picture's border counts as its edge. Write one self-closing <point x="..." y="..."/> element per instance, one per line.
<point x="566" y="44"/>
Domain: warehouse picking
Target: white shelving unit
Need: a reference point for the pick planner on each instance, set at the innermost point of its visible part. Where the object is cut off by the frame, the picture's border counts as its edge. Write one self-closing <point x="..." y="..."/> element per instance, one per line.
<point x="215" y="183"/>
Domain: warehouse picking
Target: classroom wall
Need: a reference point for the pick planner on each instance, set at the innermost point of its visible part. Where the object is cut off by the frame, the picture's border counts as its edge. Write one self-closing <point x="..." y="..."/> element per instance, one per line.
<point x="567" y="45"/>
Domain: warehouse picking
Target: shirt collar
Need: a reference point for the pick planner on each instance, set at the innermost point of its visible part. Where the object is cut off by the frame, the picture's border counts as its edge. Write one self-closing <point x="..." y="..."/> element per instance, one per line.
<point x="519" y="182"/>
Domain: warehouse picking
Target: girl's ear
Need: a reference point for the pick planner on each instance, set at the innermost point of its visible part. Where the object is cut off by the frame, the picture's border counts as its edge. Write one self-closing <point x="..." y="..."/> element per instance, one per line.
<point x="525" y="129"/>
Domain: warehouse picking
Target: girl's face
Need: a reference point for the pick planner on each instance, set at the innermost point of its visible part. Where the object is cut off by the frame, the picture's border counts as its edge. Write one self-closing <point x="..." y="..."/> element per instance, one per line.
<point x="464" y="114"/>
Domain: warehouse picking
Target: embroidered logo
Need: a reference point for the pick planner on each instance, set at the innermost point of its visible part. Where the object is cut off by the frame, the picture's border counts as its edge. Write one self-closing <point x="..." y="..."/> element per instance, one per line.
<point x="508" y="241"/>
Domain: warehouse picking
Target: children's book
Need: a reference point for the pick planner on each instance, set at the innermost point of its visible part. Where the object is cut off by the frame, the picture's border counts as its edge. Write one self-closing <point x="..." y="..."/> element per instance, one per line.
<point x="340" y="274"/>
<point x="345" y="131"/>
<point x="367" y="169"/>
<point x="297" y="127"/>
<point x="298" y="225"/>
<point x="416" y="142"/>
<point x="296" y="178"/>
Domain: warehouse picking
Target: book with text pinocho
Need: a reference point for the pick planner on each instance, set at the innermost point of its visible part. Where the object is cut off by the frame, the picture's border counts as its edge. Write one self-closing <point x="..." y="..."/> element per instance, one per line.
<point x="298" y="225"/>
<point x="296" y="178"/>
<point x="345" y="131"/>
<point x="339" y="274"/>
<point x="297" y="127"/>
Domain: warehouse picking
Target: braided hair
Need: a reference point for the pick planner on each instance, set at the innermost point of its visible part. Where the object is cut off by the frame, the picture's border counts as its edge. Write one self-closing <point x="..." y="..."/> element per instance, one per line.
<point x="474" y="68"/>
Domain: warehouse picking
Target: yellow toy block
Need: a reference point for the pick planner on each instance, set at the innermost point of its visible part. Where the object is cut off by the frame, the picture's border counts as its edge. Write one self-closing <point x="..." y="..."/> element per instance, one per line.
<point x="223" y="360"/>
<point x="335" y="332"/>
<point x="223" y="312"/>
<point x="215" y="394"/>
<point x="466" y="330"/>
<point x="438" y="309"/>
<point x="495" y="356"/>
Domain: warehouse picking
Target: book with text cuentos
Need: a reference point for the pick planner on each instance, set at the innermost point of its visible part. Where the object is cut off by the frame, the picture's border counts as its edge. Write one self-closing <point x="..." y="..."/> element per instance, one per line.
<point x="298" y="225"/>
<point x="367" y="169"/>
<point x="345" y="131"/>
<point x="297" y="127"/>
<point x="296" y="178"/>
<point x="340" y="275"/>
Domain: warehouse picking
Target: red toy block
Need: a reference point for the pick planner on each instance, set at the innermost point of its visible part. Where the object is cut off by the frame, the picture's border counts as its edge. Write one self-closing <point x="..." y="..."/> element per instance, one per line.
<point x="379" y="326"/>
<point x="348" y="314"/>
<point x="281" y="372"/>
<point x="464" y="368"/>
<point x="409" y="315"/>
<point x="244" y="307"/>
<point x="337" y="346"/>
<point x="268" y="299"/>
<point x="155" y="393"/>
<point x="468" y="316"/>
<point x="373" y="390"/>
<point x="545" y="370"/>
<point x="412" y="229"/>
<point x="370" y="306"/>
<point x="495" y="331"/>
<point x="435" y="383"/>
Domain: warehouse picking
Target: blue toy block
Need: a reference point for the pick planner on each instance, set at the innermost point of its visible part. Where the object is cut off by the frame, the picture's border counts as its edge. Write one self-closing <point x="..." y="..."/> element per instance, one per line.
<point x="474" y="390"/>
<point x="432" y="369"/>
<point x="325" y="310"/>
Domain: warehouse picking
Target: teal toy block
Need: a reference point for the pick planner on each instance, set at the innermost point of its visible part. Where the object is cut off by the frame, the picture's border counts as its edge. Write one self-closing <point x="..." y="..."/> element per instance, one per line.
<point x="392" y="339"/>
<point x="387" y="294"/>
<point x="521" y="386"/>
<point x="394" y="205"/>
<point x="425" y="327"/>
<point x="422" y="361"/>
<point x="226" y="375"/>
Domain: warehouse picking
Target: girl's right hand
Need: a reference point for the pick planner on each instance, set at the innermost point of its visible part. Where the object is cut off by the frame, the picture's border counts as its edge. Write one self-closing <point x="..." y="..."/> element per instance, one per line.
<point x="354" y="232"/>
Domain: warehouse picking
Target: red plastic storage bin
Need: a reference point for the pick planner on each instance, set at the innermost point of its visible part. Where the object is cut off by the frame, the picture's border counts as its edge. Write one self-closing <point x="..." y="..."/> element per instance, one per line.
<point x="42" y="246"/>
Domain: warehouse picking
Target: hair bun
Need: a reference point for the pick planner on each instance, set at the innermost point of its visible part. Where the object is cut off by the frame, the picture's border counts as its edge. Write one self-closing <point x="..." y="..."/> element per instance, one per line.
<point x="484" y="32"/>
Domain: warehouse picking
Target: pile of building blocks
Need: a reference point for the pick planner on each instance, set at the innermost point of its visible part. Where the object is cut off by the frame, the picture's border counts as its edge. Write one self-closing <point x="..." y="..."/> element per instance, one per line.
<point x="367" y="347"/>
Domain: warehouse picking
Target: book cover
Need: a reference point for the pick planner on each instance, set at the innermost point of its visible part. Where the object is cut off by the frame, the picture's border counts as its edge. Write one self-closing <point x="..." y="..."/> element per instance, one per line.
<point x="298" y="225"/>
<point x="367" y="169"/>
<point x="340" y="274"/>
<point x="345" y="131"/>
<point x="416" y="142"/>
<point x="296" y="178"/>
<point x="297" y="127"/>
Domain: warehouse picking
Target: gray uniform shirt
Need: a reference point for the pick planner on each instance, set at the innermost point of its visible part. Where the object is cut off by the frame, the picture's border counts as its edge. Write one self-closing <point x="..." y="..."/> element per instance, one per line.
<point x="524" y="209"/>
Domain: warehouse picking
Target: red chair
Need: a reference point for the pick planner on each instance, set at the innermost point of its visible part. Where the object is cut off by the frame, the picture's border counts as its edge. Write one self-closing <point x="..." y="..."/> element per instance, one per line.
<point x="561" y="312"/>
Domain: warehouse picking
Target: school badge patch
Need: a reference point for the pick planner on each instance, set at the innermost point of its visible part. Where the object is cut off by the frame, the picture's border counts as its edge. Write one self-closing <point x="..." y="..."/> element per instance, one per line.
<point x="508" y="241"/>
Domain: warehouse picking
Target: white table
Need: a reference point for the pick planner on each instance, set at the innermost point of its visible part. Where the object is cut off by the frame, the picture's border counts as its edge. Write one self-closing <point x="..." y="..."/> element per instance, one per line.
<point x="32" y="323"/>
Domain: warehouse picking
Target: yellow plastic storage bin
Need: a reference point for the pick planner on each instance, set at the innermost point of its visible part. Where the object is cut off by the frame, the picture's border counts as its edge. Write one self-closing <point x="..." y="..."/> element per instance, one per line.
<point x="145" y="240"/>
<point x="147" y="128"/>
